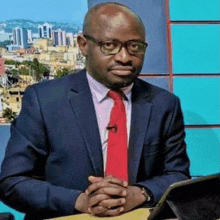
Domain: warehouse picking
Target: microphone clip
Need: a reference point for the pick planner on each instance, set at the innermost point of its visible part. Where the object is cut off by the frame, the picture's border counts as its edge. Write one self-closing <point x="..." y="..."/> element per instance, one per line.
<point x="112" y="128"/>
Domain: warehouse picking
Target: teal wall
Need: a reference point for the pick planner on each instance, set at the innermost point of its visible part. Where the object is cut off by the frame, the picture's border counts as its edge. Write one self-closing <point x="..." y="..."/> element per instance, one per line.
<point x="195" y="50"/>
<point x="194" y="10"/>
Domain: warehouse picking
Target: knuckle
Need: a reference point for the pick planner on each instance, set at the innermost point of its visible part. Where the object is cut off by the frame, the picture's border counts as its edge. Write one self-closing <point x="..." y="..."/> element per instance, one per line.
<point x="105" y="190"/>
<point x="122" y="201"/>
<point x="100" y="208"/>
<point x="102" y="203"/>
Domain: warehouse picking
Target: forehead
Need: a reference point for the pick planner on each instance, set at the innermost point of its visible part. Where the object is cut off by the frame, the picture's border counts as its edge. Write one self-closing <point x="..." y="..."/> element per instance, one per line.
<point x="118" y="23"/>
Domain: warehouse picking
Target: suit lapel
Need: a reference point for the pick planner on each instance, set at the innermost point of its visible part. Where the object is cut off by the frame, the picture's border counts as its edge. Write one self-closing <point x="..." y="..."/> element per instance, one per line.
<point x="82" y="105"/>
<point x="83" y="108"/>
<point x="141" y="109"/>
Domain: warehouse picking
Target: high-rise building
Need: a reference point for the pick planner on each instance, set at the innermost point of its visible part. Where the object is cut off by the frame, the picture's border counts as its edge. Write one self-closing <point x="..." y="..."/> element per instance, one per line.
<point x="45" y="31"/>
<point x="55" y="35"/>
<point x="70" y="40"/>
<point x="20" y="37"/>
<point x="60" y="38"/>
<point x="30" y="36"/>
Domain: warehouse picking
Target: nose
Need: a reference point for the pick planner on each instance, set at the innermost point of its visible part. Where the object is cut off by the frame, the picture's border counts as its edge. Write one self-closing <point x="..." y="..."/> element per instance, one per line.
<point x="123" y="56"/>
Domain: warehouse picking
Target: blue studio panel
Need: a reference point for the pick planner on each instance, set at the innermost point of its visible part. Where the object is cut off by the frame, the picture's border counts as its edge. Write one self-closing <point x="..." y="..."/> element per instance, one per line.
<point x="203" y="150"/>
<point x="196" y="48"/>
<point x="194" y="10"/>
<point x="154" y="18"/>
<point x="4" y="136"/>
<point x="17" y="215"/>
<point x="162" y="82"/>
<point x="199" y="98"/>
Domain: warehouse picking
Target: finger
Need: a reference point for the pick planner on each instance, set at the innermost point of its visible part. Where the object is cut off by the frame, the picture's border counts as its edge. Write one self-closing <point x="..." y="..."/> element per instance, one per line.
<point x="106" y="182"/>
<point x="111" y="203"/>
<point x="98" y="178"/>
<point x="109" y="178"/>
<point x="96" y="185"/>
<point x="113" y="212"/>
<point x="94" y="200"/>
<point x="112" y="179"/>
<point x="97" y="210"/>
<point x="111" y="191"/>
<point x="94" y="179"/>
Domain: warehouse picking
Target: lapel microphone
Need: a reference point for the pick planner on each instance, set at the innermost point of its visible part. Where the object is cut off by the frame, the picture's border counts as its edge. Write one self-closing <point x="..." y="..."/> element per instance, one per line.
<point x="112" y="128"/>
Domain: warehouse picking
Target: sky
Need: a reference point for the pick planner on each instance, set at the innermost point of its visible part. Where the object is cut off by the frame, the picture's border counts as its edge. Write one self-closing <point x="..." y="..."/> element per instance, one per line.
<point x="44" y="10"/>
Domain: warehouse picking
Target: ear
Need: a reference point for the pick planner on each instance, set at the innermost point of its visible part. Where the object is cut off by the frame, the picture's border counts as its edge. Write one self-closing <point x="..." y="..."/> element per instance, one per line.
<point x="83" y="46"/>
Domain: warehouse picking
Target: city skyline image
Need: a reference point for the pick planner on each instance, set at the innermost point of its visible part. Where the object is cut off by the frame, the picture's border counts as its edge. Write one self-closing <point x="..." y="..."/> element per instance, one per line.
<point x="38" y="42"/>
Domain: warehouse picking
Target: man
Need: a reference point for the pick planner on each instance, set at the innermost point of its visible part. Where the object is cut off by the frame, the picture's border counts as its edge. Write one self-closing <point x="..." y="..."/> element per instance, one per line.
<point x="57" y="160"/>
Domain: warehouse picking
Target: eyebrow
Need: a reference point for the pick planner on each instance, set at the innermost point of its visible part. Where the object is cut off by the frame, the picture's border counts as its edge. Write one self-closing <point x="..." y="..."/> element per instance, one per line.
<point x="113" y="39"/>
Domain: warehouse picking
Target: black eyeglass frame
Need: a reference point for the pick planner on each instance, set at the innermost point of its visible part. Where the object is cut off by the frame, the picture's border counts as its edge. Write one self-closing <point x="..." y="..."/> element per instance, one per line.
<point x="123" y="44"/>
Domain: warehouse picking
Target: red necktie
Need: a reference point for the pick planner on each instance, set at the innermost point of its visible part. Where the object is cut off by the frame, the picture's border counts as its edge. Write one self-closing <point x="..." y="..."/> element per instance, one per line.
<point x="117" y="151"/>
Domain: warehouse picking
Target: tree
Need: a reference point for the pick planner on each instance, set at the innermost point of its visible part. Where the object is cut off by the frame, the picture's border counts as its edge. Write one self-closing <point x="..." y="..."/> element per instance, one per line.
<point x="24" y="71"/>
<point x="27" y="63"/>
<point x="12" y="62"/>
<point x="36" y="67"/>
<point x="61" y="73"/>
<point x="9" y="114"/>
<point x="40" y="69"/>
<point x="44" y="70"/>
<point x="14" y="72"/>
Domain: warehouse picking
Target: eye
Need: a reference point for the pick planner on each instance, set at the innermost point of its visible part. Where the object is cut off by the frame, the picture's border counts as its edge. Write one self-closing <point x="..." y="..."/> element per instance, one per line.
<point x="134" y="46"/>
<point x="109" y="45"/>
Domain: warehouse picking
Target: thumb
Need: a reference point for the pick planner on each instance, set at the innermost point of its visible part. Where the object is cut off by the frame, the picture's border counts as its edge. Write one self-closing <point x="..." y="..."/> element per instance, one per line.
<point x="94" y="179"/>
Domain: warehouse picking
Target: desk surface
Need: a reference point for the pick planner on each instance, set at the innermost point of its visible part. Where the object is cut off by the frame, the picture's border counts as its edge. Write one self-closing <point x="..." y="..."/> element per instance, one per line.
<point x="140" y="214"/>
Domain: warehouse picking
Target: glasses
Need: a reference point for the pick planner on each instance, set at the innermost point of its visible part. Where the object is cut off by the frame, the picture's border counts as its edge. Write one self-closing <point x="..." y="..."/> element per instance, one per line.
<point x="112" y="47"/>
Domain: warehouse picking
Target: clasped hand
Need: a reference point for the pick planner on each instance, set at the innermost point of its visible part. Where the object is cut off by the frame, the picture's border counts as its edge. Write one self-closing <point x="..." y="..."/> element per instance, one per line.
<point x="109" y="196"/>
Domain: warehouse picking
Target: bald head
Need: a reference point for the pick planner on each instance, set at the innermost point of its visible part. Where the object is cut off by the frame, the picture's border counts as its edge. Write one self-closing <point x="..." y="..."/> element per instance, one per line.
<point x="109" y="14"/>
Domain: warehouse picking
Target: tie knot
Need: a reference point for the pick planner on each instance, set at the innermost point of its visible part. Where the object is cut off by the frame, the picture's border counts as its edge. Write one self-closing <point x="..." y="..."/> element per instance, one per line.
<point x="116" y="95"/>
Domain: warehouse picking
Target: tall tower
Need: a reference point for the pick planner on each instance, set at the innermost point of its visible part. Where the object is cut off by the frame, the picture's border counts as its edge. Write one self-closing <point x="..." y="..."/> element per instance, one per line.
<point x="30" y="36"/>
<point x="45" y="31"/>
<point x="20" y="37"/>
<point x="60" y="38"/>
<point x="70" y="39"/>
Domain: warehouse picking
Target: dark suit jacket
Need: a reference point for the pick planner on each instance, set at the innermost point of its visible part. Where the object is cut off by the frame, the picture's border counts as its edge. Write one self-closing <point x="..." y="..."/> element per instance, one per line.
<point x="55" y="145"/>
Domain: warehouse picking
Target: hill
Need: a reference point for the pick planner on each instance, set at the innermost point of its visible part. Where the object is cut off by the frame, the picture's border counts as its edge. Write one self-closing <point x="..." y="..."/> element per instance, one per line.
<point x="8" y="25"/>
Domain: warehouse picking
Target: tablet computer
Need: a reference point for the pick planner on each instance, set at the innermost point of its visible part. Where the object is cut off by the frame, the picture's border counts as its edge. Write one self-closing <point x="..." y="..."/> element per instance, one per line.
<point x="193" y="199"/>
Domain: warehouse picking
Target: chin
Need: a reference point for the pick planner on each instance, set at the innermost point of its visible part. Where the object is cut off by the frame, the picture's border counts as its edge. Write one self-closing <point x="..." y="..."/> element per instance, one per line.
<point x="118" y="85"/>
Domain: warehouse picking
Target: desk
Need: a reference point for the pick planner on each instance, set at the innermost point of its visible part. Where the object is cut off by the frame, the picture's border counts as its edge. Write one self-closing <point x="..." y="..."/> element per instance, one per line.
<point x="140" y="214"/>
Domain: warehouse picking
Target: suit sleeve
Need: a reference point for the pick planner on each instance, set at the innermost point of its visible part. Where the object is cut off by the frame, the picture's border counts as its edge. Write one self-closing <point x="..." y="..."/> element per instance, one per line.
<point x="22" y="184"/>
<point x="176" y="161"/>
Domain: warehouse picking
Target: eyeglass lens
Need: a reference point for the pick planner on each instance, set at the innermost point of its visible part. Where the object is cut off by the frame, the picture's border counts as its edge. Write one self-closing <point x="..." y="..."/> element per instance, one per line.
<point x="113" y="47"/>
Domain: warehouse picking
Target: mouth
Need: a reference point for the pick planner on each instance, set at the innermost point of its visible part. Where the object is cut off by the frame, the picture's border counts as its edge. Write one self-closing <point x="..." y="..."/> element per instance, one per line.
<point x="122" y="71"/>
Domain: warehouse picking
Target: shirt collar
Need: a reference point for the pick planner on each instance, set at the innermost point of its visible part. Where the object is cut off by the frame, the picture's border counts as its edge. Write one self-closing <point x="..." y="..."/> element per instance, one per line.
<point x="100" y="91"/>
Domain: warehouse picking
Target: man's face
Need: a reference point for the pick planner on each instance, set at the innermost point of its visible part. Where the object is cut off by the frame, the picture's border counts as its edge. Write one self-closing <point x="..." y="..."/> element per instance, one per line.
<point x="119" y="70"/>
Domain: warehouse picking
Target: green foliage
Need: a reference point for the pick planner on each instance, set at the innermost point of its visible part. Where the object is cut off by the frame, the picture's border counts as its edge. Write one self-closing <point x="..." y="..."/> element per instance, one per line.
<point x="36" y="67"/>
<point x="39" y="69"/>
<point x="44" y="69"/>
<point x="12" y="62"/>
<point x="14" y="72"/>
<point x="24" y="71"/>
<point x="9" y="114"/>
<point x="61" y="73"/>
<point x="27" y="63"/>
